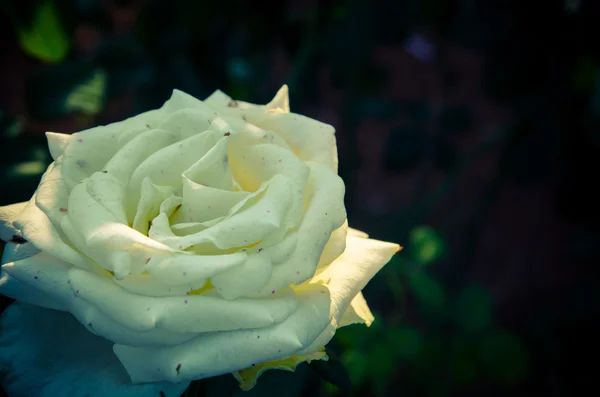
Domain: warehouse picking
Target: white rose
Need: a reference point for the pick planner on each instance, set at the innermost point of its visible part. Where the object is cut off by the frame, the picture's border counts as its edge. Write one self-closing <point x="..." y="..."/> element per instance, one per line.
<point x="200" y="239"/>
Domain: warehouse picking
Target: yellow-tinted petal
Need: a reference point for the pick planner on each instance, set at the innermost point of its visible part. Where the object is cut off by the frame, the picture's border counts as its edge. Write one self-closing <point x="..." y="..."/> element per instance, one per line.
<point x="248" y="377"/>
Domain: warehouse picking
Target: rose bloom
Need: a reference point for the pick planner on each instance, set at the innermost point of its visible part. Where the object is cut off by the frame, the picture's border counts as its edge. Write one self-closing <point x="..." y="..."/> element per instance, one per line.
<point x="202" y="238"/>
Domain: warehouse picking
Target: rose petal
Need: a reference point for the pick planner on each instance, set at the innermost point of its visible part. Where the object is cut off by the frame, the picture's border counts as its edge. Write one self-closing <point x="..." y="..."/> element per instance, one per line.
<point x="349" y="274"/>
<point x="255" y="223"/>
<point x="57" y="143"/>
<point x="324" y="214"/>
<point x="241" y="280"/>
<point x="148" y="206"/>
<point x="199" y="314"/>
<point x="357" y="313"/>
<point x="213" y="168"/>
<point x="48" y="353"/>
<point x="12" y="287"/>
<point x="219" y="353"/>
<point x="203" y="203"/>
<point x="7" y="214"/>
<point x="310" y="139"/>
<point x="36" y="228"/>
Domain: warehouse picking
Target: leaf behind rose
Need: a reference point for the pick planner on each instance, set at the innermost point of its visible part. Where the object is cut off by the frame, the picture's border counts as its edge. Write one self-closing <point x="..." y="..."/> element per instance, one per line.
<point x="334" y="372"/>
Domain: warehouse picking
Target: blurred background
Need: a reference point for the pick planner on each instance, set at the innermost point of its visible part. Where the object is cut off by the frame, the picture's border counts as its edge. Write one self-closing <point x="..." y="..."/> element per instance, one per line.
<point x="468" y="132"/>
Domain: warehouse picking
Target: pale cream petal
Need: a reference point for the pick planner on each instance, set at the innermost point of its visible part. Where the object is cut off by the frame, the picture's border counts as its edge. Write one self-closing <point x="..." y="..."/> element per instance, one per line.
<point x="256" y="223"/>
<point x="213" y="168"/>
<point x="180" y="269"/>
<point x="225" y="352"/>
<point x="164" y="167"/>
<point x="57" y="143"/>
<point x="203" y="203"/>
<point x="149" y="204"/>
<point x="349" y="274"/>
<point x="7" y="214"/>
<point x="324" y="214"/>
<point x="39" y="231"/>
<point x="244" y="279"/>
<point x="194" y="313"/>
<point x="335" y="246"/>
<point x="357" y="233"/>
<point x="357" y="313"/>
<point x="281" y="102"/>
<point x="249" y="376"/>
<point x="311" y="140"/>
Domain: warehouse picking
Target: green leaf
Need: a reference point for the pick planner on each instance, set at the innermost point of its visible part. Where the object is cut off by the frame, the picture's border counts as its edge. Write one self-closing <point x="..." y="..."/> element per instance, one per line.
<point x="504" y="356"/>
<point x="463" y="362"/>
<point x="473" y="308"/>
<point x="356" y="364"/>
<point x="426" y="245"/>
<point x="406" y="342"/>
<point x="45" y="38"/>
<point x="428" y="291"/>
<point x="334" y="372"/>
<point x="381" y="366"/>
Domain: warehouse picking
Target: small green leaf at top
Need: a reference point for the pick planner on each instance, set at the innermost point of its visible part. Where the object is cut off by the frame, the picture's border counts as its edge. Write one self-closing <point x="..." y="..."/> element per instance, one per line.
<point x="473" y="308"/>
<point x="426" y="245"/>
<point x="45" y="38"/>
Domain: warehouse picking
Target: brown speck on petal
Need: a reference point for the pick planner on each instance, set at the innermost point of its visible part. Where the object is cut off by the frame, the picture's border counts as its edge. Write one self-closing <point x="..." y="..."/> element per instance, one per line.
<point x="80" y="140"/>
<point x="272" y="292"/>
<point x="179" y="206"/>
<point x="148" y="259"/>
<point x="232" y="104"/>
<point x="227" y="133"/>
<point x="260" y="250"/>
<point x="35" y="277"/>
<point x="80" y="163"/>
<point x="185" y="301"/>
<point x="63" y="210"/>
<point x="178" y="368"/>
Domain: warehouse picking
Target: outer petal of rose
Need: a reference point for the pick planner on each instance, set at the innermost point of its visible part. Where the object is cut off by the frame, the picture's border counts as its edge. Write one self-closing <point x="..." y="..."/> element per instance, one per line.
<point x="349" y="274"/>
<point x="16" y="251"/>
<point x="357" y="313"/>
<point x="122" y="316"/>
<point x="44" y="281"/>
<point x="48" y="353"/>
<point x="248" y="377"/>
<point x="195" y="313"/>
<point x="12" y="287"/>
<point x="346" y="277"/>
<point x="219" y="353"/>
<point x="57" y="143"/>
<point x="35" y="226"/>
<point x="7" y="215"/>
<point x="335" y="246"/>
